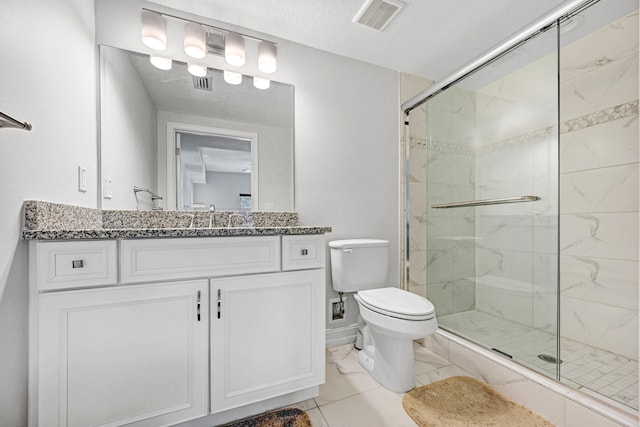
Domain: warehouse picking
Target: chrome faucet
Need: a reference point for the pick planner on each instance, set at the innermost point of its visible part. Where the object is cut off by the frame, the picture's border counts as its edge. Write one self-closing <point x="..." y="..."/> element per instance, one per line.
<point x="212" y="216"/>
<point x="192" y="216"/>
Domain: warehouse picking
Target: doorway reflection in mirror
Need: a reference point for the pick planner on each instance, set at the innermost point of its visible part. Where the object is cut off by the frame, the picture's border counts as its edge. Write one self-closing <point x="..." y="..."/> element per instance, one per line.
<point x="215" y="170"/>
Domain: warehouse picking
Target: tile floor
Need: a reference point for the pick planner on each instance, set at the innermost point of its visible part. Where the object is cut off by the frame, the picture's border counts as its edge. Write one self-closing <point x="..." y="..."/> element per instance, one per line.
<point x="584" y="367"/>
<point x="351" y="398"/>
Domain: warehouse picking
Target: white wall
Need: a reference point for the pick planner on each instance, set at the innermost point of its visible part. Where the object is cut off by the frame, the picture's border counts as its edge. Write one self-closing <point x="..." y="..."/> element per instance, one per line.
<point x="47" y="58"/>
<point x="346" y="128"/>
<point x="347" y="151"/>
<point x="128" y="131"/>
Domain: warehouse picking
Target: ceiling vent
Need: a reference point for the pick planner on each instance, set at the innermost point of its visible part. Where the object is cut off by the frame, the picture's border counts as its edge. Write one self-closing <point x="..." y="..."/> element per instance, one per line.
<point x="203" y="83"/>
<point x="377" y="14"/>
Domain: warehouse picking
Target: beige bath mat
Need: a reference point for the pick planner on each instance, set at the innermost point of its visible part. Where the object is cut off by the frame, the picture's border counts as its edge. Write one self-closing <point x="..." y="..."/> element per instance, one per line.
<point x="465" y="401"/>
<point x="287" y="417"/>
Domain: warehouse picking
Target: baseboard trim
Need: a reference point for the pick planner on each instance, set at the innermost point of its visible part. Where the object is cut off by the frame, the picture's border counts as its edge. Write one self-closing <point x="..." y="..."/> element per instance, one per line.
<point x="340" y="336"/>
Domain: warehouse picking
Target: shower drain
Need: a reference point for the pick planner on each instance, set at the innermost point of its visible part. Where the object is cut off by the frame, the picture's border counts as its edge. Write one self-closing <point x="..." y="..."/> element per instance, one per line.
<point x="549" y="358"/>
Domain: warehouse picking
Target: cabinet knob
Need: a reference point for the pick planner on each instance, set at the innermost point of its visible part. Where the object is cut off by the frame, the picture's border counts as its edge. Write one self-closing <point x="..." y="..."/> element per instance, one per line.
<point x="77" y="263"/>
<point x="304" y="252"/>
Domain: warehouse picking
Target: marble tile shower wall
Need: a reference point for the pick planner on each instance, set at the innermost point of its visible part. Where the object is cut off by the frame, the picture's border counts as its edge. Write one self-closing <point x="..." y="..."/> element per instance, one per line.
<point x="417" y="189"/>
<point x="516" y="155"/>
<point x="516" y="252"/>
<point x="415" y="143"/>
<point x="451" y="176"/>
<point x="599" y="187"/>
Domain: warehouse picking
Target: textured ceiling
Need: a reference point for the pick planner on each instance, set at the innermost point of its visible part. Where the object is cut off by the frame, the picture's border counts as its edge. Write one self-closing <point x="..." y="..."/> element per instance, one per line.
<point x="430" y="38"/>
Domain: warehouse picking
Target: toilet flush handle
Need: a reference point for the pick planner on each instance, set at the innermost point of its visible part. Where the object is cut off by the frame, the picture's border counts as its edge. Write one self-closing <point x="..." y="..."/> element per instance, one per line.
<point x="347" y="251"/>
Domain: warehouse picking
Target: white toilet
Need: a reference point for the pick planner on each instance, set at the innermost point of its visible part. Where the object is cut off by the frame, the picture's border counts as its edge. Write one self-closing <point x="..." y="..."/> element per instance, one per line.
<point x="390" y="318"/>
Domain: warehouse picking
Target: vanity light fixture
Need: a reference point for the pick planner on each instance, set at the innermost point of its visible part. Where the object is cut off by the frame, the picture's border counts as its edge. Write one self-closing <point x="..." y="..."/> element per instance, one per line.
<point x="234" y="49"/>
<point x="161" y="62"/>
<point x="267" y="62"/>
<point x="232" y="78"/>
<point x="201" y="38"/>
<point x="197" y="70"/>
<point x="154" y="30"/>
<point x="261" y="83"/>
<point x="195" y="40"/>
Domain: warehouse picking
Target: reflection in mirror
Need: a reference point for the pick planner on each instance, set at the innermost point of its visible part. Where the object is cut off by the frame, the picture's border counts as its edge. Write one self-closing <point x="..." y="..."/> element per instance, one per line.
<point x="153" y="120"/>
<point x="215" y="171"/>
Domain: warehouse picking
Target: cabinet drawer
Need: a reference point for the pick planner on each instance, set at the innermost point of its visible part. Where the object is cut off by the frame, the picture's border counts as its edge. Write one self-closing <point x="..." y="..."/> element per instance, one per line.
<point x="302" y="252"/>
<point x="167" y="259"/>
<point x="61" y="265"/>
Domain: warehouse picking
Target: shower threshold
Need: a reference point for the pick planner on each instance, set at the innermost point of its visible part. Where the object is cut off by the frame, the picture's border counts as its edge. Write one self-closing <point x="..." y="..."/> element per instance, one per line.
<point x="582" y="367"/>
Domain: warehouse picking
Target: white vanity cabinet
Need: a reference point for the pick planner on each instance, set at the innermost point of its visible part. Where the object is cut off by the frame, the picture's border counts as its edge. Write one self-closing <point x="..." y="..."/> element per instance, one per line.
<point x="157" y="332"/>
<point x="267" y="336"/>
<point x="114" y="356"/>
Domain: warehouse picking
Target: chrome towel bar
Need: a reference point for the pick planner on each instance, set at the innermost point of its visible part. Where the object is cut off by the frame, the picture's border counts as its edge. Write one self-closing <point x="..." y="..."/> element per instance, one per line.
<point x="7" y="121"/>
<point x="518" y="199"/>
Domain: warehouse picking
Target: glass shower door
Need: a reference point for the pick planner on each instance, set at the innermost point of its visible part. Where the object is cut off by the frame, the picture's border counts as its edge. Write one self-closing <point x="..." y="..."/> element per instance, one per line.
<point x="492" y="205"/>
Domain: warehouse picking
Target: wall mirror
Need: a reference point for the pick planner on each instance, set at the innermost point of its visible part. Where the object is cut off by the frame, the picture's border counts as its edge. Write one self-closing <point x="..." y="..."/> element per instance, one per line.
<point x="197" y="142"/>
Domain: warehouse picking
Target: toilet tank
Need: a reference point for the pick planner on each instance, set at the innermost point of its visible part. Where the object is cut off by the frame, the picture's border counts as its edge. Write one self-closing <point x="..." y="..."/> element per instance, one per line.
<point x="359" y="264"/>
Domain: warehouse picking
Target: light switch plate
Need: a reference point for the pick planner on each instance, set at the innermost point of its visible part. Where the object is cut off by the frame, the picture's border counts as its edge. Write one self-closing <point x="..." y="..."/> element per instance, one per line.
<point x="107" y="190"/>
<point x="82" y="179"/>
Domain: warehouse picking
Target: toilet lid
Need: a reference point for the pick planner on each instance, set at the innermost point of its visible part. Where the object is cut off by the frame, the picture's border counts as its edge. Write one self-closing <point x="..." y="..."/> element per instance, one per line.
<point x="397" y="303"/>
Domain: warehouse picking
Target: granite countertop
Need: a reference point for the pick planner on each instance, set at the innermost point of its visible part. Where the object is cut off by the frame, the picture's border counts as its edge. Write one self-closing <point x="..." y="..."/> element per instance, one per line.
<point x="147" y="233"/>
<point x="53" y="221"/>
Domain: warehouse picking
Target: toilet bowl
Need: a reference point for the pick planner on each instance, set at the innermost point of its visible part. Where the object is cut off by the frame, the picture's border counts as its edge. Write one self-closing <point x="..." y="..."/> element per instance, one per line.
<point x="390" y="318"/>
<point x="393" y="318"/>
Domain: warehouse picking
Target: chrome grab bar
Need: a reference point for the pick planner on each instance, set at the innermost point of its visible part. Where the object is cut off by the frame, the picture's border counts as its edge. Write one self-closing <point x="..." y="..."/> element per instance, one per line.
<point x="518" y="199"/>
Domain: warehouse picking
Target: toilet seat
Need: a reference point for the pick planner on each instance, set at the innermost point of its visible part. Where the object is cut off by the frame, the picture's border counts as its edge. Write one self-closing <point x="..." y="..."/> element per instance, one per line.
<point x="397" y="303"/>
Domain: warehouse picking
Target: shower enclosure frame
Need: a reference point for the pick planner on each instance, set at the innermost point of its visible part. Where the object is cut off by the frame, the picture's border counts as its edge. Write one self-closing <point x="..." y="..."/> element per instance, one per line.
<point x="544" y="23"/>
<point x="514" y="41"/>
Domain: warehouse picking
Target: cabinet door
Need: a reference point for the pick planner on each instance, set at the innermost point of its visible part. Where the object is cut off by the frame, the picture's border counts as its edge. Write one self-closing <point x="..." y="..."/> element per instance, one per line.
<point x="268" y="338"/>
<point x="136" y="354"/>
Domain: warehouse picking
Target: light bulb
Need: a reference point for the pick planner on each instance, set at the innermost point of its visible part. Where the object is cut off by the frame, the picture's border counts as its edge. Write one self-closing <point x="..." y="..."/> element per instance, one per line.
<point x="197" y="70"/>
<point x="234" y="49"/>
<point x="154" y="30"/>
<point x="232" y="78"/>
<point x="267" y="62"/>
<point x="160" y="62"/>
<point x="195" y="40"/>
<point x="261" y="83"/>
